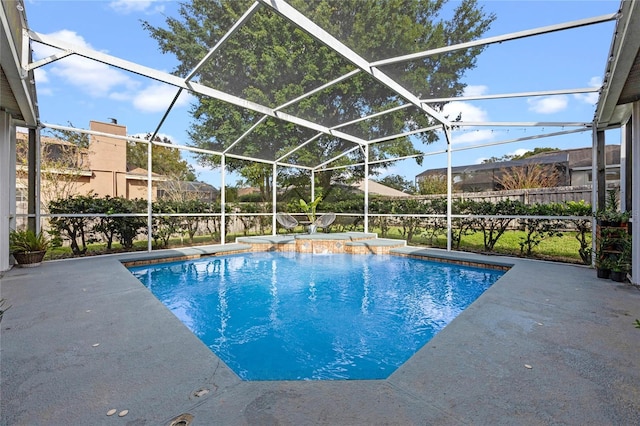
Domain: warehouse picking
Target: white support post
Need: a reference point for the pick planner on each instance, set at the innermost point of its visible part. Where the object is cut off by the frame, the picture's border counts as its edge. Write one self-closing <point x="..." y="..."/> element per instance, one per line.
<point x="149" y="197"/>
<point x="274" y="198"/>
<point x="12" y="176"/>
<point x="623" y="167"/>
<point x="366" y="188"/>
<point x="38" y="199"/>
<point x="33" y="181"/>
<point x="635" y="201"/>
<point x="594" y="192"/>
<point x="313" y="186"/>
<point x="223" y="201"/>
<point x="447" y="132"/>
<point x="32" y="161"/>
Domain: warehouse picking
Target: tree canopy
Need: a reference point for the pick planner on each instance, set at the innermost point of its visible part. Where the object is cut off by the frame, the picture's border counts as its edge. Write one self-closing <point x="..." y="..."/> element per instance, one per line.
<point x="164" y="160"/>
<point x="399" y="183"/>
<point x="271" y="61"/>
<point x="527" y="154"/>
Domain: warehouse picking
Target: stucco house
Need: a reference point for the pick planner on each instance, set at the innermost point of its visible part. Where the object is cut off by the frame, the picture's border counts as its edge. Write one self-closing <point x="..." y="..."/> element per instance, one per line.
<point x="100" y="168"/>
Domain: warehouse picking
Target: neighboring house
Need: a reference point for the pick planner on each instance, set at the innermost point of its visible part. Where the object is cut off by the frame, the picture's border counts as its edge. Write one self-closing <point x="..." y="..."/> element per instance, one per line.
<point x="101" y="169"/>
<point x="376" y="188"/>
<point x="187" y="190"/>
<point x="572" y="165"/>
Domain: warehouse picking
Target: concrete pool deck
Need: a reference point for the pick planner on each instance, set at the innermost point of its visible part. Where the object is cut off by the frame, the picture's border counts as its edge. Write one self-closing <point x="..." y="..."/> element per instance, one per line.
<point x="547" y="344"/>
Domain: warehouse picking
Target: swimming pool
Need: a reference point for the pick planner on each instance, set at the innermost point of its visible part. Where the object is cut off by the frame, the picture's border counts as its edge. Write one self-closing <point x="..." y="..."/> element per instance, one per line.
<point x="296" y="316"/>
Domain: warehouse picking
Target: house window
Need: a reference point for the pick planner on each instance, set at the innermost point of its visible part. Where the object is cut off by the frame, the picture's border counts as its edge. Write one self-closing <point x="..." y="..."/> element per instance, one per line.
<point x="610" y="175"/>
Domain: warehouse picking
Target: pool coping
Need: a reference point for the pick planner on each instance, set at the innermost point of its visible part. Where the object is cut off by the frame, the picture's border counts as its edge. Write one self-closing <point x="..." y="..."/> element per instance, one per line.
<point x="556" y="319"/>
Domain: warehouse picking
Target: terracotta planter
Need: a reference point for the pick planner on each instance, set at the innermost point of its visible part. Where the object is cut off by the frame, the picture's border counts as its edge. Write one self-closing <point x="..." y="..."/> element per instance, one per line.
<point x="29" y="259"/>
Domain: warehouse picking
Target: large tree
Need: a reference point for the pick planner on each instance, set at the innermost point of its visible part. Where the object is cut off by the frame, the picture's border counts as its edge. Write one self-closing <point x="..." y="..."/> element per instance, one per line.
<point x="164" y="160"/>
<point x="399" y="183"/>
<point x="271" y="61"/>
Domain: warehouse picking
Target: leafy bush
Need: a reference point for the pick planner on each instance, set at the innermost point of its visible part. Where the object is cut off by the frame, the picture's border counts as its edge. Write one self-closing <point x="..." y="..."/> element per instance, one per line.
<point x="74" y="228"/>
<point x="536" y="229"/>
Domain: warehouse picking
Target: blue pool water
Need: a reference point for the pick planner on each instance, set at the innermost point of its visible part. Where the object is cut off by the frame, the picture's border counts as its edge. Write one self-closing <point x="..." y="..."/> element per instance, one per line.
<point x="295" y="316"/>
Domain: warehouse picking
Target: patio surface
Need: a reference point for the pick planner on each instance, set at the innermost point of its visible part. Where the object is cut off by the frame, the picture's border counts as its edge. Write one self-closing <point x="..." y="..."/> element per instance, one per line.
<point x="83" y="336"/>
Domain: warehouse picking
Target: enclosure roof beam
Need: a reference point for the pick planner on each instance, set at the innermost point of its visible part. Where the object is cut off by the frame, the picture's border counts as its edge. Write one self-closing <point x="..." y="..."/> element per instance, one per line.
<point x="524" y="138"/>
<point x="48" y="60"/>
<point x="400" y="135"/>
<point x="293" y="101"/>
<point x="522" y="124"/>
<point x="236" y="26"/>
<point x="321" y="165"/>
<point x="368" y="117"/>
<point x="327" y="39"/>
<point x="515" y="95"/>
<point x="406" y="157"/>
<point x="319" y="89"/>
<point x="303" y="144"/>
<point x="498" y="39"/>
<point x="203" y="61"/>
<point x="179" y="82"/>
<point x="295" y="166"/>
<point x="129" y="138"/>
<point x="465" y="148"/>
<point x="247" y="133"/>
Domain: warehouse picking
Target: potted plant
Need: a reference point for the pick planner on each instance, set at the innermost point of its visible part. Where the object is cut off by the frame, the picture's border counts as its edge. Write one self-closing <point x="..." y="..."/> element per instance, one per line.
<point x="310" y="210"/>
<point x="622" y="263"/>
<point x="28" y="247"/>
<point x="619" y="270"/>
<point x="610" y="216"/>
<point x="603" y="267"/>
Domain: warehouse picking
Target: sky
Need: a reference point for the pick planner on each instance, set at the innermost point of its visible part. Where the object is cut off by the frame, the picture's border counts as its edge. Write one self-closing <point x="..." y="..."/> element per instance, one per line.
<point x="74" y="90"/>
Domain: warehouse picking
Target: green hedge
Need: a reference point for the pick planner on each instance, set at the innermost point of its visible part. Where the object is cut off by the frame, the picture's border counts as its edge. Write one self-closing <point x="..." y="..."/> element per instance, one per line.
<point x="405" y="216"/>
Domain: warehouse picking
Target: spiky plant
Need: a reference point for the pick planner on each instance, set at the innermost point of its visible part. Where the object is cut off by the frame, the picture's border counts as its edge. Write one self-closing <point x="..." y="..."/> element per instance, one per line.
<point x="25" y="241"/>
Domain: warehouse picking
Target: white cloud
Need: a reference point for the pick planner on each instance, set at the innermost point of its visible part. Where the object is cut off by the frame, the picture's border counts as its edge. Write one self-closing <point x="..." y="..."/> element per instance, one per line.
<point x="519" y="152"/>
<point x="93" y="78"/>
<point x="41" y="75"/>
<point x="515" y="153"/>
<point x="157" y="97"/>
<point x="67" y="36"/>
<point x="131" y="6"/>
<point x="468" y="113"/>
<point x="102" y="81"/>
<point x="477" y="90"/>
<point x="465" y="111"/>
<point x="472" y="137"/>
<point x="548" y="104"/>
<point x="590" y="98"/>
<point x="42" y="78"/>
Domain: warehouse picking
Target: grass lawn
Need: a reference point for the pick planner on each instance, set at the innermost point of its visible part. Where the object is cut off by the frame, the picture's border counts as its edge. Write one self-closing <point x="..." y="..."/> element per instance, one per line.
<point x="562" y="249"/>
